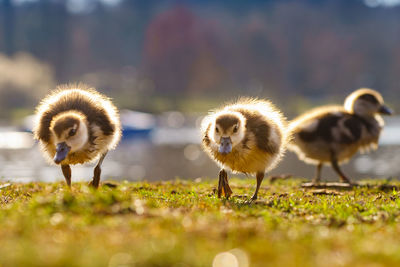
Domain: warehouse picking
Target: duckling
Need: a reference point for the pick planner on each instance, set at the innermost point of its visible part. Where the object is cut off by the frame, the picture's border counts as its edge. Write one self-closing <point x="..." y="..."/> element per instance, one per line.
<point x="247" y="136"/>
<point x="333" y="134"/>
<point x="76" y="124"/>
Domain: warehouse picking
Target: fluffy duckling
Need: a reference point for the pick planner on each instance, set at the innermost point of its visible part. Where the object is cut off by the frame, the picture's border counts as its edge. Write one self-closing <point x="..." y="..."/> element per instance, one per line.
<point x="76" y="124"/>
<point x="333" y="134"/>
<point x="247" y="136"/>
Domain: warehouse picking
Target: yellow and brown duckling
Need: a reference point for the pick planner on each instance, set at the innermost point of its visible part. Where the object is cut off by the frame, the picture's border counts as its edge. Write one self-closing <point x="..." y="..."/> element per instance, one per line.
<point x="333" y="134"/>
<point x="76" y="124"/>
<point x="247" y="136"/>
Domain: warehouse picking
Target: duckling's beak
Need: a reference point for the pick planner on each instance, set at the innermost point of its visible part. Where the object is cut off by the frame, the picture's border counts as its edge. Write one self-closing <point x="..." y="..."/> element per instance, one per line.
<point x="385" y="110"/>
<point x="226" y="145"/>
<point x="62" y="150"/>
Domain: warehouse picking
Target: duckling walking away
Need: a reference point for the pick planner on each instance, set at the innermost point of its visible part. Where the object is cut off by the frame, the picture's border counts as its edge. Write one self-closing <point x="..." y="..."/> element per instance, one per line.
<point x="76" y="124"/>
<point x="333" y="134"/>
<point x="247" y="137"/>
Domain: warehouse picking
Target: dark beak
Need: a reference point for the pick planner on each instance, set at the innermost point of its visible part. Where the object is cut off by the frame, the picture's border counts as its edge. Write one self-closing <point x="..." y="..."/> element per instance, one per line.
<point x="62" y="150"/>
<point x="385" y="110"/>
<point x="226" y="145"/>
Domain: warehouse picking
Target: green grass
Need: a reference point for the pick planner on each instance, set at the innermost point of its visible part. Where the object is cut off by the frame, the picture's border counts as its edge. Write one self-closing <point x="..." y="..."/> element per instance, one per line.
<point x="182" y="223"/>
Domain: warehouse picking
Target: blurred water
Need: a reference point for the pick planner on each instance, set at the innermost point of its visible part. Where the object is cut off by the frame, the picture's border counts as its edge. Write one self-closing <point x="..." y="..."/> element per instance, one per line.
<point x="176" y="152"/>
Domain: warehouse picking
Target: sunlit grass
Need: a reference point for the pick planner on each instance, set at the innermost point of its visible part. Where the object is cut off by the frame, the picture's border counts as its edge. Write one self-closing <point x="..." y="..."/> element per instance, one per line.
<point x="182" y="223"/>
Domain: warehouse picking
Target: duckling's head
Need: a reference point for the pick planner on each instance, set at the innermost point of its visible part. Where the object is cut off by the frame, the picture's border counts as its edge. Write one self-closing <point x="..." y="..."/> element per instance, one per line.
<point x="70" y="133"/>
<point x="366" y="102"/>
<point x="228" y="130"/>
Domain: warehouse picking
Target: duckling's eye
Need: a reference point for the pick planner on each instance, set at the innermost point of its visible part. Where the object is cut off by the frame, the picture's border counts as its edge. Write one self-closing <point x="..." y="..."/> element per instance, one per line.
<point x="235" y="129"/>
<point x="216" y="129"/>
<point x="72" y="132"/>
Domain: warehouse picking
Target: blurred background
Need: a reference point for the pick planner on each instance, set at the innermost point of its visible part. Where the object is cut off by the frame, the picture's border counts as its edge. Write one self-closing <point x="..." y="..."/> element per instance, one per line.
<point x="165" y="63"/>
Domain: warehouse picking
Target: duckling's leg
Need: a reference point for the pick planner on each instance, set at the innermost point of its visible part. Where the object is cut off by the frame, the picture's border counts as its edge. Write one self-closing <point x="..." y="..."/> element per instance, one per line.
<point x="227" y="189"/>
<point x="97" y="171"/>
<point x="220" y="182"/>
<point x="335" y="166"/>
<point x="260" y="177"/>
<point x="317" y="177"/>
<point x="66" y="169"/>
<point x="223" y="185"/>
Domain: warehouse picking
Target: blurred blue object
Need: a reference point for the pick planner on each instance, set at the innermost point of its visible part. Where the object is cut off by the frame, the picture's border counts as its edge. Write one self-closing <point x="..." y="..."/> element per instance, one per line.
<point x="137" y="124"/>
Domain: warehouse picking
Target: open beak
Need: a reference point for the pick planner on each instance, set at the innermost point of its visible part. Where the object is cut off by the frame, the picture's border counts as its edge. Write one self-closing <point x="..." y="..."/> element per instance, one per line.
<point x="226" y="145"/>
<point x="385" y="110"/>
<point x="62" y="150"/>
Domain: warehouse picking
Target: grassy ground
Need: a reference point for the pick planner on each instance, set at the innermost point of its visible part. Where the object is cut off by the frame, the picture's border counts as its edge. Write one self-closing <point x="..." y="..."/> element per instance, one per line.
<point x="183" y="224"/>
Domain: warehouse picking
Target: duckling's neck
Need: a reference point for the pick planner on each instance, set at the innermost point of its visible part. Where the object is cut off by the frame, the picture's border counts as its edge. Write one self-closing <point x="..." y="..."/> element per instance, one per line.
<point x="373" y="123"/>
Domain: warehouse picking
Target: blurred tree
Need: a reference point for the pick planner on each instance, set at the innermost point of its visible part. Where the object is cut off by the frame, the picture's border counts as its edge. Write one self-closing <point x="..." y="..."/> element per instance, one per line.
<point x="8" y="27"/>
<point x="24" y="80"/>
<point x="175" y="49"/>
<point x="170" y="49"/>
<point x="54" y="22"/>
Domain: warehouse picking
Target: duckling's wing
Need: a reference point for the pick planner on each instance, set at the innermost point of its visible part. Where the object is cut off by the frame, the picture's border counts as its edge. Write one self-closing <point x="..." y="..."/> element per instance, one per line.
<point x="331" y="127"/>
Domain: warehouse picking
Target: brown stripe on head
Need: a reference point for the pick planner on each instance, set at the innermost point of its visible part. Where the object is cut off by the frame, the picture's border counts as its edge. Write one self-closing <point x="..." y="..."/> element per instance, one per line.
<point x="369" y="98"/>
<point x="65" y="121"/>
<point x="366" y="95"/>
<point x="226" y="121"/>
